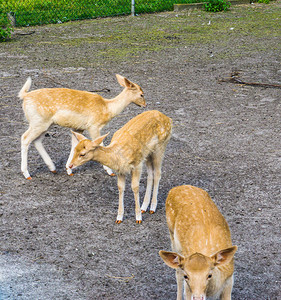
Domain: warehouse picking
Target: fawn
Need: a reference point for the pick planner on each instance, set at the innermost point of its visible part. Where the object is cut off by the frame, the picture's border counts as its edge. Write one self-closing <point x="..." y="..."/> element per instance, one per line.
<point x="201" y="241"/>
<point x="80" y="110"/>
<point x="143" y="139"/>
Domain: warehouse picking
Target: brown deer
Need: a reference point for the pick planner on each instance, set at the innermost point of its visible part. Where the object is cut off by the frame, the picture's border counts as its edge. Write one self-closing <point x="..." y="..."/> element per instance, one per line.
<point x="201" y="243"/>
<point x="75" y="109"/>
<point x="143" y="139"/>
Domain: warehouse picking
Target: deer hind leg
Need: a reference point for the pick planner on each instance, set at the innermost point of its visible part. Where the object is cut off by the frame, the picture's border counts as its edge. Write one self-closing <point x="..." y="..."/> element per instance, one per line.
<point x="40" y="148"/>
<point x="27" y="138"/>
<point x="136" y="174"/>
<point x="74" y="143"/>
<point x="147" y="196"/>
<point x="121" y="182"/>
<point x="157" y="164"/>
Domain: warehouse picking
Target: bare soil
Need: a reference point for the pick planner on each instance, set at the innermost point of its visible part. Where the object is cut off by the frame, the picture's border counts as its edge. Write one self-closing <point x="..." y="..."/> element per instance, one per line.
<point x="58" y="237"/>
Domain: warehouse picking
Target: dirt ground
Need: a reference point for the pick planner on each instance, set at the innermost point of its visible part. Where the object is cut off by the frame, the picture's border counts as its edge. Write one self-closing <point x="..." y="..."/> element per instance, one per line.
<point x="58" y="237"/>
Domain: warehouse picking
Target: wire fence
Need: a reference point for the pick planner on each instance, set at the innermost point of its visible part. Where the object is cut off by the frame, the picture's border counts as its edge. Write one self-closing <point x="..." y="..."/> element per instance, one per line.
<point x="38" y="12"/>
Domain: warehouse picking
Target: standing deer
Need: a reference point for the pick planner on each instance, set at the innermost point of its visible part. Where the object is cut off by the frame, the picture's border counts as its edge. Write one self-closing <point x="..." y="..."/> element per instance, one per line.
<point x="143" y="139"/>
<point x="79" y="110"/>
<point x="201" y="241"/>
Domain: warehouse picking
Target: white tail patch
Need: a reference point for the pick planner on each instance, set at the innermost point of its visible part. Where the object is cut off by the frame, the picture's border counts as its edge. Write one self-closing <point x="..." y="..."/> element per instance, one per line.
<point x="25" y="88"/>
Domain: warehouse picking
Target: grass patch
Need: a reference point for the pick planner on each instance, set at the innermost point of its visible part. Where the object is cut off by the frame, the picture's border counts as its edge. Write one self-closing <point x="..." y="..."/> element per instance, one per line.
<point x="39" y="12"/>
<point x="122" y="39"/>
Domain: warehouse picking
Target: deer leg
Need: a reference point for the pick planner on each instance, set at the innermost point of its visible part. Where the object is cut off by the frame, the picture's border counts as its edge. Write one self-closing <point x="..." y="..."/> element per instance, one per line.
<point x="74" y="143"/>
<point x="148" y="186"/>
<point x="136" y="174"/>
<point x="157" y="164"/>
<point x="107" y="169"/>
<point x="29" y="136"/>
<point x="40" y="148"/>
<point x="121" y="182"/>
<point x="95" y="133"/>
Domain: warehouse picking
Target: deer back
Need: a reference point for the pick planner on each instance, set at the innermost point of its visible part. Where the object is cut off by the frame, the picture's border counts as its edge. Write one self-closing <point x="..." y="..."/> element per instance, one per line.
<point x="195" y="222"/>
<point x="63" y="104"/>
<point x="143" y="135"/>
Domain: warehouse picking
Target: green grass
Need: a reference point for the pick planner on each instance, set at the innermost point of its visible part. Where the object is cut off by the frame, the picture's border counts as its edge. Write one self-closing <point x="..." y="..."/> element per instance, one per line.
<point x="250" y="30"/>
<point x="38" y="12"/>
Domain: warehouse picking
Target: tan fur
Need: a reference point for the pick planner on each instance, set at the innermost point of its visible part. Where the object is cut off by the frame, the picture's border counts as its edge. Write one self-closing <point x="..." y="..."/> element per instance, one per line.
<point x="143" y="139"/>
<point x="201" y="242"/>
<point x="76" y="109"/>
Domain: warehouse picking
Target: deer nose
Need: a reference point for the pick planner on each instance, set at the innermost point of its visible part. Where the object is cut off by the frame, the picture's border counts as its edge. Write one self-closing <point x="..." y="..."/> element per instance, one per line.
<point x="198" y="297"/>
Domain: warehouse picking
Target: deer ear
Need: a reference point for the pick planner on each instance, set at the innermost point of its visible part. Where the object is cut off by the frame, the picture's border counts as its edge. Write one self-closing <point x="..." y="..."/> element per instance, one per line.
<point x="129" y="84"/>
<point x="224" y="256"/>
<point x="99" y="140"/>
<point x="171" y="259"/>
<point x="80" y="137"/>
<point x="123" y="81"/>
<point x="120" y="79"/>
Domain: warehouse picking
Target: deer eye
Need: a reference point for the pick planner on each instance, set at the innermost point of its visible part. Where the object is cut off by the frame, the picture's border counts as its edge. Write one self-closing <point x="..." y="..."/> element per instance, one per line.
<point x="185" y="277"/>
<point x="210" y="276"/>
<point x="142" y="95"/>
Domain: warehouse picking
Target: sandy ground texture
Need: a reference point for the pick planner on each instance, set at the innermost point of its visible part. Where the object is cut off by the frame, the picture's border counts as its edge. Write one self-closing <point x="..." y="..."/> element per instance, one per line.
<point x="58" y="237"/>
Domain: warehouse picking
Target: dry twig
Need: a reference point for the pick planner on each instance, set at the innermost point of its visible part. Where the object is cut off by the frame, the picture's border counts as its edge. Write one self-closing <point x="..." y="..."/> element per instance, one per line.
<point x="235" y="79"/>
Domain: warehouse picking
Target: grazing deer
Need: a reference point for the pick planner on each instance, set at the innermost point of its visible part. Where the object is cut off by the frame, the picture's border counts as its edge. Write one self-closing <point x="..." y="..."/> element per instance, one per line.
<point x="201" y="241"/>
<point x="79" y="110"/>
<point x="143" y="139"/>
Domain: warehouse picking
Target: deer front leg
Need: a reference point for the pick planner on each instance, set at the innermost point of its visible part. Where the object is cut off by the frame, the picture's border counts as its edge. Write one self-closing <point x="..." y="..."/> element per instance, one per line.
<point x="95" y="133"/>
<point x="40" y="148"/>
<point x="107" y="169"/>
<point x="74" y="143"/>
<point x="121" y="181"/>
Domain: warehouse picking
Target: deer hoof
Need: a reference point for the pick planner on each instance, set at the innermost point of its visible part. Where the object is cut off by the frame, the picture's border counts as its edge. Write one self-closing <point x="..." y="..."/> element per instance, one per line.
<point x="118" y="221"/>
<point x="138" y="221"/>
<point x="143" y="211"/>
<point x="54" y="172"/>
<point x="29" y="178"/>
<point x="112" y="174"/>
<point x="151" y="212"/>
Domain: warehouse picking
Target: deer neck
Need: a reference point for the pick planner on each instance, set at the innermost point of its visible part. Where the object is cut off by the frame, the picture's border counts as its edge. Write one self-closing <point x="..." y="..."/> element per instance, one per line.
<point x="116" y="105"/>
<point x="109" y="157"/>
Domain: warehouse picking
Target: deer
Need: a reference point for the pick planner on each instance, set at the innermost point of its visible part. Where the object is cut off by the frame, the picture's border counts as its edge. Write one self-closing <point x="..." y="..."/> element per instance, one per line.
<point x="203" y="254"/>
<point x="76" y="109"/>
<point x="142" y="140"/>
